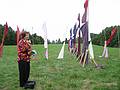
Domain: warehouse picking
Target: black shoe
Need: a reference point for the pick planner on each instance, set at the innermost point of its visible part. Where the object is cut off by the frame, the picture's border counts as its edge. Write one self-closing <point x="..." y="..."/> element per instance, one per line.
<point x="29" y="85"/>
<point x="32" y="82"/>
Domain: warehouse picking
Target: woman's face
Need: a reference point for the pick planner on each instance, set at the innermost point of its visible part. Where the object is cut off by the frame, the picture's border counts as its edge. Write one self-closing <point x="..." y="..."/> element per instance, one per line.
<point x="27" y="36"/>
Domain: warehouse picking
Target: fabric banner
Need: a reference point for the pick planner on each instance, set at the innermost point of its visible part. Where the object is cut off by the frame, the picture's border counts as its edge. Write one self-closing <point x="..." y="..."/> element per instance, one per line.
<point x="79" y="46"/>
<point x="45" y="40"/>
<point x="4" y="36"/>
<point x="45" y="35"/>
<point x="84" y="17"/>
<point x="91" y="50"/>
<point x="74" y="36"/>
<point x="113" y="33"/>
<point x="17" y="34"/>
<point x="46" y="53"/>
<point x="61" y="54"/>
<point x="84" y="30"/>
<point x="71" y="38"/>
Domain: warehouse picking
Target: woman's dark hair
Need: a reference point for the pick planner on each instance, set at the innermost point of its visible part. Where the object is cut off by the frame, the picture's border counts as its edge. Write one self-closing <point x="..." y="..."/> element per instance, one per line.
<point x="23" y="34"/>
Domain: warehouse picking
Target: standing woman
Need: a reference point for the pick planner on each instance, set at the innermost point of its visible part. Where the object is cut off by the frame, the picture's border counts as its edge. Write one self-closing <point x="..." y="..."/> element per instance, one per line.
<point x="24" y="53"/>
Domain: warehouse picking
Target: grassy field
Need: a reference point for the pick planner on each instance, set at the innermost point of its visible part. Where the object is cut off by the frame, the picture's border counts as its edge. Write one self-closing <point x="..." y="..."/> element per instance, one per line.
<point x="66" y="74"/>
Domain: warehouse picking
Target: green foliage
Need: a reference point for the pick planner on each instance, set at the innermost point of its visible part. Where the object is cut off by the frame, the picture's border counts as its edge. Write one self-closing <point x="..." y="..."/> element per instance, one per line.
<point x="58" y="41"/>
<point x="36" y="39"/>
<point x="53" y="42"/>
<point x="98" y="39"/>
<point x="66" y="41"/>
<point x="11" y="37"/>
<point x="66" y="74"/>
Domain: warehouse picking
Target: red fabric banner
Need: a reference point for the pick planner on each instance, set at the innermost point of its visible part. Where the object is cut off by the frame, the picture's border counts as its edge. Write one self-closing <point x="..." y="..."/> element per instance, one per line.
<point x="17" y="35"/>
<point x="84" y="17"/>
<point x="114" y="30"/>
<point x="86" y="4"/>
<point x="4" y="36"/>
<point x="5" y="30"/>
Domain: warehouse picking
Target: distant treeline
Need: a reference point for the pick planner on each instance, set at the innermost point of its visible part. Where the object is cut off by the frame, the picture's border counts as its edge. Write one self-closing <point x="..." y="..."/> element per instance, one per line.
<point x="11" y="37"/>
<point x="35" y="39"/>
<point x="98" y="39"/>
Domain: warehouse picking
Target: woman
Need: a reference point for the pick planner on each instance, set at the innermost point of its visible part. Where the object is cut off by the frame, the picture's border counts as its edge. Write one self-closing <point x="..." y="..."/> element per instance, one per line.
<point x="24" y="53"/>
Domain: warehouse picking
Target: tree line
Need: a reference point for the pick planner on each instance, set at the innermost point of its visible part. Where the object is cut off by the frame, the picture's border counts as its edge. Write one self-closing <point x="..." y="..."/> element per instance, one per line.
<point x="98" y="39"/>
<point x="11" y="37"/>
<point x="35" y="39"/>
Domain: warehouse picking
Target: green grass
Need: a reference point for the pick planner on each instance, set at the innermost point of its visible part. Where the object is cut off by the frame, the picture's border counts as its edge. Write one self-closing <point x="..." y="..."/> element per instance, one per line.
<point x="66" y="74"/>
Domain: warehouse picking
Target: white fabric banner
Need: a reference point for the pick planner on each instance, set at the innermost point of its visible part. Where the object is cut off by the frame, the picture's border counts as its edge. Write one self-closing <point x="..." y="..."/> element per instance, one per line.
<point x="91" y="48"/>
<point x="45" y="35"/>
<point x="46" y="53"/>
<point x="45" y="40"/>
<point x="61" y="54"/>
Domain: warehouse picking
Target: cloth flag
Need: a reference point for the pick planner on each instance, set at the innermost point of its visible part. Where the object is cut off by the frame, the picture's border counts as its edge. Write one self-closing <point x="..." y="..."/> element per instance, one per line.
<point x="17" y="34"/>
<point x="46" y="53"/>
<point x="45" y="40"/>
<point x="4" y="36"/>
<point x="84" y="30"/>
<point x="86" y="4"/>
<point x="5" y="30"/>
<point x="105" y="51"/>
<point x="114" y="30"/>
<point x="1" y="50"/>
<point x="78" y="20"/>
<point x="91" y="53"/>
<point x="84" y="17"/>
<point x="61" y="54"/>
<point x="74" y="36"/>
<point x="79" y="46"/>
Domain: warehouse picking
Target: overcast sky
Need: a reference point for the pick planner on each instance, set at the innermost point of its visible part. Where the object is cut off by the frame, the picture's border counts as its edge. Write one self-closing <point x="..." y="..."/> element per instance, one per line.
<point x="59" y="15"/>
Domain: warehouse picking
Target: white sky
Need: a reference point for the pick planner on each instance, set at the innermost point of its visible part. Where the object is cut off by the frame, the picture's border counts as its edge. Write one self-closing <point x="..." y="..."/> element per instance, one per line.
<point x="59" y="15"/>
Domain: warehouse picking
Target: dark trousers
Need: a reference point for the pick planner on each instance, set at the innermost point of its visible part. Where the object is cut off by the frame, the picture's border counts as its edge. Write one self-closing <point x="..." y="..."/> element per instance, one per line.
<point x="24" y="71"/>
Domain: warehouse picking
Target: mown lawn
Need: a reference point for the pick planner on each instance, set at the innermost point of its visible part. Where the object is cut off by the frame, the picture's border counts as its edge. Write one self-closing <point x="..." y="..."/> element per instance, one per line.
<point x="66" y="74"/>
